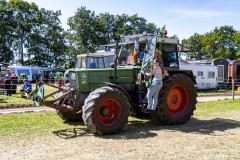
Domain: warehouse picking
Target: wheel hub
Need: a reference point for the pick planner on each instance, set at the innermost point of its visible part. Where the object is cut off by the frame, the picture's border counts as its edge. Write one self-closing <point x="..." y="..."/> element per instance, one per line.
<point x="178" y="99"/>
<point x="105" y="111"/>
<point x="109" y="112"/>
<point x="174" y="99"/>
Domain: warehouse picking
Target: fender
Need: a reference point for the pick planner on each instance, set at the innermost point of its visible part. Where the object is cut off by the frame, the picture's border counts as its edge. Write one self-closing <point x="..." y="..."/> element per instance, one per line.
<point x="121" y="89"/>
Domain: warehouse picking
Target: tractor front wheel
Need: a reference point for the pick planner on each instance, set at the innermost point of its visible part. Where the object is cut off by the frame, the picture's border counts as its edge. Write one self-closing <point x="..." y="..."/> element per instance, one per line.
<point x="106" y="111"/>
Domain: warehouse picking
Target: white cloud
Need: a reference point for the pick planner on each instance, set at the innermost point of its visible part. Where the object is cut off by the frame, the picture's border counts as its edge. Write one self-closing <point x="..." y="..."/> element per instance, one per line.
<point x="201" y="13"/>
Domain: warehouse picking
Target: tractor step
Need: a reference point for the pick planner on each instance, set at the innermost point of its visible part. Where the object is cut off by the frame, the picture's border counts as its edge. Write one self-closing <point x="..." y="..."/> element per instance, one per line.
<point x="143" y="101"/>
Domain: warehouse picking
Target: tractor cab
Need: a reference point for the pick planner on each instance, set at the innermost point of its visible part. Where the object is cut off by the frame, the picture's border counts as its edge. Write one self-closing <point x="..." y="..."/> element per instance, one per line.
<point x="91" y="60"/>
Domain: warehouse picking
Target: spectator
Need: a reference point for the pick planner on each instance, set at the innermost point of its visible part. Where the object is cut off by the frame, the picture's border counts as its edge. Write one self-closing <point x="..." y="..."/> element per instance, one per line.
<point x="14" y="82"/>
<point x="26" y="89"/>
<point x="38" y="93"/>
<point x="8" y="82"/>
<point x="51" y="77"/>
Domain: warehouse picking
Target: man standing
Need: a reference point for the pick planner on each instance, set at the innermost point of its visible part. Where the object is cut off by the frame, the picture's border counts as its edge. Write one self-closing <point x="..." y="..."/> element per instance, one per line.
<point x="14" y="82"/>
<point x="8" y="82"/>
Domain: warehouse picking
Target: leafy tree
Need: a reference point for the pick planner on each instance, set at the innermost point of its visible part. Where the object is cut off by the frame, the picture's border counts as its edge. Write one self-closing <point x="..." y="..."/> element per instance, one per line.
<point x="195" y="44"/>
<point x="220" y="43"/>
<point x="24" y="14"/>
<point x="86" y="29"/>
<point x="236" y="37"/>
<point x="6" y="30"/>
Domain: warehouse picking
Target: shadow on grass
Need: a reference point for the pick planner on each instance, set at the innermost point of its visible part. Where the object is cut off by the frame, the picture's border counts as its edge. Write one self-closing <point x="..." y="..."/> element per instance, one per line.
<point x="73" y="132"/>
<point x="138" y="129"/>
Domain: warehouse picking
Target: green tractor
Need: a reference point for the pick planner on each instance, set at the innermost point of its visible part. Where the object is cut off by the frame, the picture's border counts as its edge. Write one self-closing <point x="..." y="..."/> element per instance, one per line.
<point x="104" y="98"/>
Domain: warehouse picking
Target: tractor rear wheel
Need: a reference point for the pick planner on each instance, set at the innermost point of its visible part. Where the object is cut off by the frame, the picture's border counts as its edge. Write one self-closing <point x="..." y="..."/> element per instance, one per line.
<point x="106" y="111"/>
<point x="177" y="100"/>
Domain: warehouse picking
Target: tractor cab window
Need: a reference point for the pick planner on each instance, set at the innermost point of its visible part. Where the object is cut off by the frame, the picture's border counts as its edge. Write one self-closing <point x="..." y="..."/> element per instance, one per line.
<point x="170" y="55"/>
<point x="81" y="62"/>
<point x="95" y="62"/>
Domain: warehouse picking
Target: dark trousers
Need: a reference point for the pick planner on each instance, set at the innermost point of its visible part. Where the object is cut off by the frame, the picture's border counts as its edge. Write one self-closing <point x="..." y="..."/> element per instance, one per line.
<point x="8" y="87"/>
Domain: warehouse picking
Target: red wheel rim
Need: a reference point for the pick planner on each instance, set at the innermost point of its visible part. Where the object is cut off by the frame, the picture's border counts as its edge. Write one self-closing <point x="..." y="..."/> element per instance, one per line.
<point x="109" y="112"/>
<point x="178" y="99"/>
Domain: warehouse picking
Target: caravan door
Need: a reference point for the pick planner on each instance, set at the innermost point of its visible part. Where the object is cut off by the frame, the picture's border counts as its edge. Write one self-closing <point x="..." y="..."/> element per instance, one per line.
<point x="220" y="75"/>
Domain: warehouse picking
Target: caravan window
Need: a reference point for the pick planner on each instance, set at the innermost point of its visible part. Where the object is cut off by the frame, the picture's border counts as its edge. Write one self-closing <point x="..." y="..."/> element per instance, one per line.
<point x="199" y="73"/>
<point x="20" y="71"/>
<point x="211" y="74"/>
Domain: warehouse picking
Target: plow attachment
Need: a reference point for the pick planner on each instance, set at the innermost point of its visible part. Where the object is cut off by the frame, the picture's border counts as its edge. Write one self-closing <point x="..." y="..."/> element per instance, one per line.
<point x="67" y="102"/>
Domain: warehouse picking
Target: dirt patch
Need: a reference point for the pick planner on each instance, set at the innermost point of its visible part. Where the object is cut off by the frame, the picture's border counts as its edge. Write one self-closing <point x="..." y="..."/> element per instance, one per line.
<point x="201" y="138"/>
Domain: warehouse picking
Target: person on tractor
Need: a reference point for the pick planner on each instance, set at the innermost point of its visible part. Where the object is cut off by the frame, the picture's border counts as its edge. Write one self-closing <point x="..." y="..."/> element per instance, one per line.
<point x="26" y="89"/>
<point x="159" y="73"/>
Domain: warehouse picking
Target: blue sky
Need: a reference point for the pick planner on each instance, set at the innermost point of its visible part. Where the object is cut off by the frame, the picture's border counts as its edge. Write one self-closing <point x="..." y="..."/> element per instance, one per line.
<point x="182" y="17"/>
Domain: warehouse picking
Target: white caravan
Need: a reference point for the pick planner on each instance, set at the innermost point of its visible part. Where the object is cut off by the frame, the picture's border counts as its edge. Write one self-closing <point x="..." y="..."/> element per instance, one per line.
<point x="206" y="75"/>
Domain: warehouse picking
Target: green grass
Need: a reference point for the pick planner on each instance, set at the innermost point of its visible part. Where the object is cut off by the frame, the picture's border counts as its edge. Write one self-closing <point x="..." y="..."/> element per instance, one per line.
<point x="216" y="107"/>
<point x="46" y="123"/>
<point x="17" y="99"/>
<point x="216" y="92"/>
<point x="32" y="124"/>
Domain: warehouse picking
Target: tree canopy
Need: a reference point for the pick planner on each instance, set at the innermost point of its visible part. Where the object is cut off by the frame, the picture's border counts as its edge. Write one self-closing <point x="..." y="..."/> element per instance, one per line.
<point x="222" y="42"/>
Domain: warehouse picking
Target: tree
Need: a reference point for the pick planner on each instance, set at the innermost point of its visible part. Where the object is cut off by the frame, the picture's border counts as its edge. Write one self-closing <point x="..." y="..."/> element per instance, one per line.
<point x="195" y="44"/>
<point x="220" y="43"/>
<point x="6" y="30"/>
<point x="86" y="29"/>
<point x="236" y="37"/>
<point x="24" y="14"/>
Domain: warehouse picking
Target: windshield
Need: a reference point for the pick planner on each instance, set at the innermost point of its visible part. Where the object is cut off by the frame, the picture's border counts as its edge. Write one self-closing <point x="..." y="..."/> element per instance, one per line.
<point x="95" y="62"/>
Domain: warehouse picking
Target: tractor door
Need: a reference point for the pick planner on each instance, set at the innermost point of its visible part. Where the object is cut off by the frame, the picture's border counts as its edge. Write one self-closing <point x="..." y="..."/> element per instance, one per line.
<point x="147" y="64"/>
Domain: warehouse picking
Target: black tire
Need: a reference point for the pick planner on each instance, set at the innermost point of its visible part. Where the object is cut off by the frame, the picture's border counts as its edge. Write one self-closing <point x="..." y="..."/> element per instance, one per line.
<point x="67" y="114"/>
<point x="177" y="100"/>
<point x="106" y="111"/>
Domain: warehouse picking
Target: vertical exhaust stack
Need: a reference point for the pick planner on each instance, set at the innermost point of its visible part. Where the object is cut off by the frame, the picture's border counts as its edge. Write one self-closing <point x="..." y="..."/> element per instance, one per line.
<point x="115" y="60"/>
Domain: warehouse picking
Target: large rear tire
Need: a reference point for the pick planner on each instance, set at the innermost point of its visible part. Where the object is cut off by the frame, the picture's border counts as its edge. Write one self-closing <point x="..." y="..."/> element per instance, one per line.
<point x="177" y="100"/>
<point x="106" y="111"/>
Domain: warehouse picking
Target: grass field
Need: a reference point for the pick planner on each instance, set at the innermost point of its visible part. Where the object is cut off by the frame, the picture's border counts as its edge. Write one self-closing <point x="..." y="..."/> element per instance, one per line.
<point x="212" y="133"/>
<point x="217" y="92"/>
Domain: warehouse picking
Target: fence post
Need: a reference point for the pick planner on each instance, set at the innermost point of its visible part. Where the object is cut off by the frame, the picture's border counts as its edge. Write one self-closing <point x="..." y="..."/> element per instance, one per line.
<point x="233" y="89"/>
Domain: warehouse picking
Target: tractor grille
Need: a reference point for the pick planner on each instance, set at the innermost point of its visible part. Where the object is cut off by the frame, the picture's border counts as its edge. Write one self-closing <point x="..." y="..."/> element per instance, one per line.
<point x="73" y="80"/>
